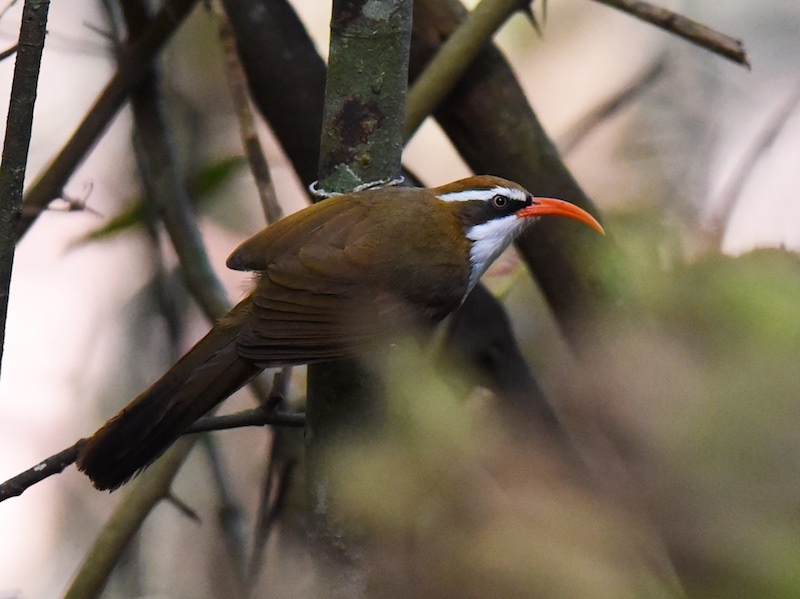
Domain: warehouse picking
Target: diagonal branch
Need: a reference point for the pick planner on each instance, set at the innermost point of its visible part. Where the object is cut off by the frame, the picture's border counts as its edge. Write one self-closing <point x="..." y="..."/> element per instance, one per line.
<point x="454" y="58"/>
<point x="164" y="185"/>
<point x="134" y="64"/>
<point x="58" y="462"/>
<point x="8" y="52"/>
<point x="690" y="30"/>
<point x="237" y="83"/>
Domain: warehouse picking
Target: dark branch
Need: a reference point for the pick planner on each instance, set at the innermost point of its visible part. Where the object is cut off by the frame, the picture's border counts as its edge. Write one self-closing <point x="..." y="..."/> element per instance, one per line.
<point x="56" y="463"/>
<point x="286" y="76"/>
<point x="454" y="58"/>
<point x="254" y="417"/>
<point x="237" y="84"/>
<point x="18" y="139"/>
<point x="8" y="52"/>
<point x="695" y="32"/>
<point x="163" y="181"/>
<point x="136" y="62"/>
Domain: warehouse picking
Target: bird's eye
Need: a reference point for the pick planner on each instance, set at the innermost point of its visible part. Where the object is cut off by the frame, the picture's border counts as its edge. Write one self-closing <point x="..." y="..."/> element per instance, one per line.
<point x="499" y="201"/>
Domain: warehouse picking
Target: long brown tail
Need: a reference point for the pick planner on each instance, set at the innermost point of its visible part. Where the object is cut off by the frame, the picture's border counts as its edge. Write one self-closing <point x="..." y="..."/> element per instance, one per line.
<point x="153" y="421"/>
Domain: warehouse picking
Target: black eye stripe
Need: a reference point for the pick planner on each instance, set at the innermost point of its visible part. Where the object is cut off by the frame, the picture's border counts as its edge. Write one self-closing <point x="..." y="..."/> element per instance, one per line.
<point x="476" y="212"/>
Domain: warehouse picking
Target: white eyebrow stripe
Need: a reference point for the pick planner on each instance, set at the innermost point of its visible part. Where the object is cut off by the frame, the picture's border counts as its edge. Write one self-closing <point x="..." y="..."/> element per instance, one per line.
<point x="482" y="194"/>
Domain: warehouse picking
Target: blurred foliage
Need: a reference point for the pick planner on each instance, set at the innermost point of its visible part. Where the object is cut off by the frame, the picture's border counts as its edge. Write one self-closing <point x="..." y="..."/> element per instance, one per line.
<point x="684" y="414"/>
<point x="735" y="452"/>
<point x="458" y="505"/>
<point x="201" y="188"/>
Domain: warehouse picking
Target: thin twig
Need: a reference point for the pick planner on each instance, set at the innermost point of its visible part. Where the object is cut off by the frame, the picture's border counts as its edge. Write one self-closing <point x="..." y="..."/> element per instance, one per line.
<point x="164" y="286"/>
<point x="253" y="417"/>
<point x="232" y="518"/>
<point x="18" y="140"/>
<point x="7" y="7"/>
<point x="275" y="489"/>
<point x="280" y="389"/>
<point x="164" y="182"/>
<point x="137" y="60"/>
<point x="622" y="98"/>
<point x="58" y="462"/>
<point x="9" y="52"/>
<point x="237" y="84"/>
<point x="690" y="30"/>
<point x="183" y="507"/>
<point x="724" y="204"/>
<point x="278" y="469"/>
<point x="454" y="58"/>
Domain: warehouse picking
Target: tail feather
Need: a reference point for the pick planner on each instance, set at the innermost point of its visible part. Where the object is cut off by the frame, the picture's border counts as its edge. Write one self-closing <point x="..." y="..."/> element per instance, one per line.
<point x="154" y="420"/>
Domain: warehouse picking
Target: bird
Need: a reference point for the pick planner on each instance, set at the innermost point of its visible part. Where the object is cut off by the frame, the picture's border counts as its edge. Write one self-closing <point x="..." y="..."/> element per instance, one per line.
<point x="330" y="281"/>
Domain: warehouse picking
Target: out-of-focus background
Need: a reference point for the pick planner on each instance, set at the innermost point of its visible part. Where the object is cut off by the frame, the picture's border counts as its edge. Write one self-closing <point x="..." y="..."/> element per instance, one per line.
<point x="703" y="388"/>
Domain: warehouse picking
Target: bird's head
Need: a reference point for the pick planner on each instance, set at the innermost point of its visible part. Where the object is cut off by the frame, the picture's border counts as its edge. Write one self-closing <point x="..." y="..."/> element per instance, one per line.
<point x="495" y="211"/>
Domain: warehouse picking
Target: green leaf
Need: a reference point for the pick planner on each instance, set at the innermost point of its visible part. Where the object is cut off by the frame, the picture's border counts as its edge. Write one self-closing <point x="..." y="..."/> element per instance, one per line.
<point x="201" y="186"/>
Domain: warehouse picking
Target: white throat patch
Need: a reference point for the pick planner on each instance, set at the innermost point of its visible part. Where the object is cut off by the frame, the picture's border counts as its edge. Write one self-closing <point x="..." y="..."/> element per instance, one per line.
<point x="492" y="238"/>
<point x="489" y="240"/>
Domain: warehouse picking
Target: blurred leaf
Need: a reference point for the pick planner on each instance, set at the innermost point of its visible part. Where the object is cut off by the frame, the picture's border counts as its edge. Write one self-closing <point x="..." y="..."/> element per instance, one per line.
<point x="701" y="387"/>
<point x="723" y="306"/>
<point x="459" y="506"/>
<point x="201" y="187"/>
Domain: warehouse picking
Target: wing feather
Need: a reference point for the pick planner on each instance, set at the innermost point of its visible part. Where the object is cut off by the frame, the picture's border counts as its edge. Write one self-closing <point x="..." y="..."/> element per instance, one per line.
<point x="329" y="283"/>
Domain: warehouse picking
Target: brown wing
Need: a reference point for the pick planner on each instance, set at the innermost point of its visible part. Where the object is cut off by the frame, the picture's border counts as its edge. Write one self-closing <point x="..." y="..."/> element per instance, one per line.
<point x="328" y="284"/>
<point x="330" y="219"/>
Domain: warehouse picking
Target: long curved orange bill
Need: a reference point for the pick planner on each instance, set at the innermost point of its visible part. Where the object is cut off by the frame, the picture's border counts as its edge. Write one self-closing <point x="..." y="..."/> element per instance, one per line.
<point x="551" y="206"/>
